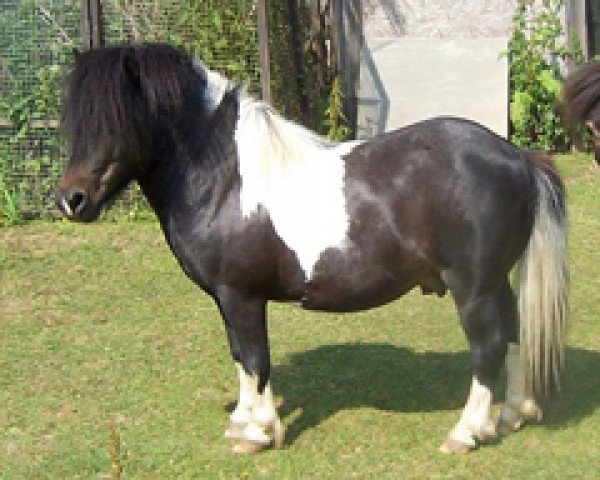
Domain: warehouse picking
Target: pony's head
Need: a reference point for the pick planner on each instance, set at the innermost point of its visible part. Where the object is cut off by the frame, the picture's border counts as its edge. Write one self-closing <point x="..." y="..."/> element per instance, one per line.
<point x="123" y="104"/>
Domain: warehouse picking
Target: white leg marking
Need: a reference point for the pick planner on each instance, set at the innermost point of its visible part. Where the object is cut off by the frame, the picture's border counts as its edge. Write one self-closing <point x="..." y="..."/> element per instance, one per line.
<point x="519" y="404"/>
<point x="475" y="421"/>
<point x="264" y="422"/>
<point x="255" y="416"/>
<point x="243" y="410"/>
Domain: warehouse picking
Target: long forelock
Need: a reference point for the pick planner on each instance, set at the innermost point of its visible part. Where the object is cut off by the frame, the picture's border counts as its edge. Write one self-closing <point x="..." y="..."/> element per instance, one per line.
<point x="109" y="101"/>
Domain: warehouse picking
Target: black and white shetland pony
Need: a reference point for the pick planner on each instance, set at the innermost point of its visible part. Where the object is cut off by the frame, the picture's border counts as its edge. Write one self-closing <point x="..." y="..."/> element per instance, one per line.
<point x="257" y="208"/>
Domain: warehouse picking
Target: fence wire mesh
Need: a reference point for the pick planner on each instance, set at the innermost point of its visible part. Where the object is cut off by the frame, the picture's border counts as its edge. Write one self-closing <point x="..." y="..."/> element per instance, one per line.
<point x="37" y="38"/>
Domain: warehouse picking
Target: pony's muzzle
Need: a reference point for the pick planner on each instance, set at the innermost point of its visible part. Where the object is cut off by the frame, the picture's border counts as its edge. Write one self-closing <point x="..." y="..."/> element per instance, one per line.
<point x="72" y="202"/>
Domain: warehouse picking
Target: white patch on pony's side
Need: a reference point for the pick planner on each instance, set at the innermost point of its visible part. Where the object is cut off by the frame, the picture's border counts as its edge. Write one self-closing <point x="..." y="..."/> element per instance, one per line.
<point x="297" y="177"/>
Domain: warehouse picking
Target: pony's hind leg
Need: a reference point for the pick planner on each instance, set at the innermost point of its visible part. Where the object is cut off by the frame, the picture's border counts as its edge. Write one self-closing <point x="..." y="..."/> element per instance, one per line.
<point x="487" y="319"/>
<point x="520" y="405"/>
<point x="254" y="423"/>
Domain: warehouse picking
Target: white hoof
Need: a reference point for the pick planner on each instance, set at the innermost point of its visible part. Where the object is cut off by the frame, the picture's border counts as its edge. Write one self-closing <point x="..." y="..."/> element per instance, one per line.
<point x="513" y="418"/>
<point x="244" y="447"/>
<point x="451" y="445"/>
<point x="235" y="430"/>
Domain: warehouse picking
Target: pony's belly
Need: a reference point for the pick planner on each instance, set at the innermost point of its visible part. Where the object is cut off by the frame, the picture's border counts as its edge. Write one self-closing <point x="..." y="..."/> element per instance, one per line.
<point x="351" y="281"/>
<point x="346" y="301"/>
<point x="348" y="293"/>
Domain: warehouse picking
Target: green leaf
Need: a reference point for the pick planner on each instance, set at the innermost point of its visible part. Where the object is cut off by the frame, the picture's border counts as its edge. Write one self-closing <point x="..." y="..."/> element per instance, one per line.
<point x="550" y="82"/>
<point x="520" y="108"/>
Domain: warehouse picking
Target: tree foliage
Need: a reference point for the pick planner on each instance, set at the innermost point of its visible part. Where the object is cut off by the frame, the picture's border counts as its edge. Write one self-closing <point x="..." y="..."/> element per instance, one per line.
<point x="536" y="51"/>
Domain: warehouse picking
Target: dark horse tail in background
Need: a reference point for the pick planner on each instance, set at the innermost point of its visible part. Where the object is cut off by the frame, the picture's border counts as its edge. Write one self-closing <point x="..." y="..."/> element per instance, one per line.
<point x="582" y="100"/>
<point x="257" y="208"/>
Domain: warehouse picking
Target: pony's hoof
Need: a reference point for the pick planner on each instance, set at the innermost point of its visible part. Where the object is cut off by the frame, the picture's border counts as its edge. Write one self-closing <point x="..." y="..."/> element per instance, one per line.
<point x="488" y="435"/>
<point x="235" y="431"/>
<point x="247" y="447"/>
<point x="278" y="435"/>
<point x="504" y="427"/>
<point x="452" y="445"/>
<point x="512" y="419"/>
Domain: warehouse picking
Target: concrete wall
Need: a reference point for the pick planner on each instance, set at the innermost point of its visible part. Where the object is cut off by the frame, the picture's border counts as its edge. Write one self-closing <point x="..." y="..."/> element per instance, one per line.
<point x="409" y="79"/>
<point x="424" y="58"/>
<point x="437" y="18"/>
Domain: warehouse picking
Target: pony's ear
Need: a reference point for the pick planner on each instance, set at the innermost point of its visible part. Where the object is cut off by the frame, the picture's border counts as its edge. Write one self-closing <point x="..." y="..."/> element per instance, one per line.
<point x="131" y="67"/>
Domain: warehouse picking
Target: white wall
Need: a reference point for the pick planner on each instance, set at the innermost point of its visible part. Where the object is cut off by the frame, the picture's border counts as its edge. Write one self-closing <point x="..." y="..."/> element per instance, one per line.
<point x="403" y="80"/>
<point x="439" y="57"/>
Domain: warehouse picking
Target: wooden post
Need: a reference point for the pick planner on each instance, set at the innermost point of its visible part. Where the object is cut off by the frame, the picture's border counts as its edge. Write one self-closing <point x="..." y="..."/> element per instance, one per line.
<point x="576" y="13"/>
<point x="263" y="42"/>
<point x="96" y="23"/>
<point x="86" y="28"/>
<point x="297" y="62"/>
<point x="91" y="24"/>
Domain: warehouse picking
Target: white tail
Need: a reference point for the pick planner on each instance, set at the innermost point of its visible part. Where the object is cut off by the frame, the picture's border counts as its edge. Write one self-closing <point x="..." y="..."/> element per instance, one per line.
<point x="542" y="281"/>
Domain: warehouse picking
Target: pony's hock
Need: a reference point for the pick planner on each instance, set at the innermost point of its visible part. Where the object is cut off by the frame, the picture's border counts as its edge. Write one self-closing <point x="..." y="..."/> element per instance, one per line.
<point x="257" y="208"/>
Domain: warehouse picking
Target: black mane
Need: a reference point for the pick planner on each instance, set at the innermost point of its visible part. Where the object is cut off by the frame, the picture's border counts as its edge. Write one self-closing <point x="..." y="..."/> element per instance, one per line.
<point x="126" y="91"/>
<point x="582" y="94"/>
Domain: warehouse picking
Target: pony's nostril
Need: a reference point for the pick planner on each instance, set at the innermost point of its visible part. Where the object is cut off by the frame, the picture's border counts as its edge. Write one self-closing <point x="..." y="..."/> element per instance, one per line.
<point x="76" y="200"/>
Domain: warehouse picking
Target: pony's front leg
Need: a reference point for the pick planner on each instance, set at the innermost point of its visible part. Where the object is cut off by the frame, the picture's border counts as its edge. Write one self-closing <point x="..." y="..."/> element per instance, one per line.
<point x="254" y="423"/>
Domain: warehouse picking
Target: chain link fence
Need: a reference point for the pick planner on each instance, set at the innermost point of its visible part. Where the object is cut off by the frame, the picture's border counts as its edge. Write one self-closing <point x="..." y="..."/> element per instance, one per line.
<point x="37" y="38"/>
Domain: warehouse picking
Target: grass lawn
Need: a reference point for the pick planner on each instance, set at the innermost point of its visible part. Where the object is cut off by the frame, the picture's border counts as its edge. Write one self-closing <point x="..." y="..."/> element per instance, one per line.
<point x="109" y="355"/>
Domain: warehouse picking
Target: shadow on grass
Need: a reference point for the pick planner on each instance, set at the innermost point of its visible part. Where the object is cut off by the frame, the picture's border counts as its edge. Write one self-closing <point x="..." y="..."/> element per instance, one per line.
<point x="580" y="397"/>
<point x="318" y="383"/>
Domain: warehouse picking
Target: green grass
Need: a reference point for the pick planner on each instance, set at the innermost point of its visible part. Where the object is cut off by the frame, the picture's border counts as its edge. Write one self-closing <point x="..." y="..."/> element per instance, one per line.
<point x="100" y="327"/>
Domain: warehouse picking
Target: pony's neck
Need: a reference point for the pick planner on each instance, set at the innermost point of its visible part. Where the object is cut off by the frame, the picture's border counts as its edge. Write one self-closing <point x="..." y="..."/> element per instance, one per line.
<point x="195" y="163"/>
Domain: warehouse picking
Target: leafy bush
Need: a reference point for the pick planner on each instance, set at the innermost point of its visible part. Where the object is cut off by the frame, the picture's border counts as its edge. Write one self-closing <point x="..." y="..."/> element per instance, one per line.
<point x="335" y="120"/>
<point x="535" y="51"/>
